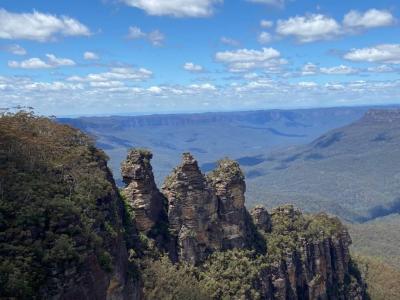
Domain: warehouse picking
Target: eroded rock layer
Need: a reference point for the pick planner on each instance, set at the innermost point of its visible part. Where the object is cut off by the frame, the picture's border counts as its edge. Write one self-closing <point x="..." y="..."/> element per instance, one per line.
<point x="141" y="192"/>
<point x="229" y="186"/>
<point x="192" y="211"/>
<point x="308" y="257"/>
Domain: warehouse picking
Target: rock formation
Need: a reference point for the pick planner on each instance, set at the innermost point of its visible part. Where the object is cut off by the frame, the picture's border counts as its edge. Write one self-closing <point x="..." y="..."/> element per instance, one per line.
<point x="229" y="186"/>
<point x="192" y="211"/>
<point x="141" y="192"/>
<point x="309" y="258"/>
<point x="318" y="264"/>
<point x="73" y="232"/>
<point x="261" y="218"/>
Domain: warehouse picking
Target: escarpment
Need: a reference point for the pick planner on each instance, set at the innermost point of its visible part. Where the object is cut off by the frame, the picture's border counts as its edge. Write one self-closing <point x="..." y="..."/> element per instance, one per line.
<point x="66" y="232"/>
<point x="310" y="257"/>
<point x="61" y="217"/>
<point x="306" y="257"/>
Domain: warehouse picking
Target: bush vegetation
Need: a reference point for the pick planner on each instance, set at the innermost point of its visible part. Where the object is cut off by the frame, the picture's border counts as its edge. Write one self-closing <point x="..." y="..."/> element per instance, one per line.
<point x="55" y="207"/>
<point x="383" y="280"/>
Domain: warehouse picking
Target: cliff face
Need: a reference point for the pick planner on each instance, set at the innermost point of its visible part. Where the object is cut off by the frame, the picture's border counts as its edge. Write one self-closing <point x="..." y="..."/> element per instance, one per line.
<point x="306" y="257"/>
<point x="64" y="228"/>
<point x="228" y="183"/>
<point x="192" y="212"/>
<point x="61" y="216"/>
<point x="313" y="263"/>
<point x="141" y="192"/>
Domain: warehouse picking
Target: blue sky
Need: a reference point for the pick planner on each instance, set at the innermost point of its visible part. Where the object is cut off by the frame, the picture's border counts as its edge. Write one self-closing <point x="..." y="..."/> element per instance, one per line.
<point x="157" y="56"/>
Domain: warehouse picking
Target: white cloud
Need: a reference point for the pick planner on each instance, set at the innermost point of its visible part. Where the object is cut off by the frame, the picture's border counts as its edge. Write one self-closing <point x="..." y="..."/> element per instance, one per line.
<point x="369" y="19"/>
<point x="135" y="33"/>
<point x="339" y="70"/>
<point x="175" y="8"/>
<point x="38" y="26"/>
<point x="32" y="63"/>
<point x="120" y="96"/>
<point x="203" y="87"/>
<point x="247" y="55"/>
<point x="90" y="55"/>
<point x="52" y="86"/>
<point x="155" y="89"/>
<point x="309" y="28"/>
<point x="266" y="23"/>
<point x="334" y="86"/>
<point x="106" y="84"/>
<point x="16" y="49"/>
<point x="278" y="3"/>
<point x="243" y="60"/>
<point x="315" y="27"/>
<point x="307" y="84"/>
<point x="309" y="69"/>
<point x="385" y="53"/>
<point x="264" y="37"/>
<point x="229" y="41"/>
<point x="191" y="67"/>
<point x="115" y="74"/>
<point x="59" y="62"/>
<point x="37" y="63"/>
<point x="381" y="69"/>
<point x="313" y="69"/>
<point x="155" y="37"/>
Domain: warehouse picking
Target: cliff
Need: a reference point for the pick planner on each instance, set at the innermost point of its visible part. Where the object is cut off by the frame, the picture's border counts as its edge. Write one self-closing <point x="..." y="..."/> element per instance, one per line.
<point x="66" y="232"/>
<point x="61" y="231"/>
<point x="141" y="192"/>
<point x="289" y="255"/>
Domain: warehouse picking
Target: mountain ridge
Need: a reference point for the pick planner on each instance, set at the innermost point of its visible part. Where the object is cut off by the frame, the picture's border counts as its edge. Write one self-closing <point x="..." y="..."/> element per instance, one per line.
<point x="63" y="219"/>
<point x="356" y="162"/>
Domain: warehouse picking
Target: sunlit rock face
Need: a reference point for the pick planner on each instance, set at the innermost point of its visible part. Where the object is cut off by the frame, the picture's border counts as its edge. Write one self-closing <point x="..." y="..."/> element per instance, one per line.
<point x="207" y="214"/>
<point x="192" y="211"/>
<point x="261" y="218"/>
<point x="229" y="186"/>
<point x="141" y="192"/>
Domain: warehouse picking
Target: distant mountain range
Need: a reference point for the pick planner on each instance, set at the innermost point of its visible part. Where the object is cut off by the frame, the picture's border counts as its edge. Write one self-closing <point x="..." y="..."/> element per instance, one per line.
<point x="289" y="156"/>
<point x="243" y="136"/>
<point x="353" y="171"/>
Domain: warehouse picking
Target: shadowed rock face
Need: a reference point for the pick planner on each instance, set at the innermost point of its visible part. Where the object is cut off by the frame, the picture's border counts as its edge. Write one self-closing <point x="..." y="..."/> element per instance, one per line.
<point x="192" y="211"/>
<point x="141" y="191"/>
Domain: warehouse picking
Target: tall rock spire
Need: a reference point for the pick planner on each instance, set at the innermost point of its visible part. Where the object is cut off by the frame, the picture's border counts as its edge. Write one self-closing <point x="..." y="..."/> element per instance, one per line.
<point x="229" y="185"/>
<point x="141" y="191"/>
<point x="192" y="211"/>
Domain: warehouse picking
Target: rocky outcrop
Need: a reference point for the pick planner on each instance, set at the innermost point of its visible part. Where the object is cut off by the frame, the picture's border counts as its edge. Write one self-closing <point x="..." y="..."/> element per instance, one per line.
<point x="312" y="264"/>
<point x="192" y="212"/>
<point x="141" y="192"/>
<point x="309" y="257"/>
<point x="206" y="213"/>
<point x="67" y="234"/>
<point x="229" y="186"/>
<point x="261" y="218"/>
<point x="104" y="275"/>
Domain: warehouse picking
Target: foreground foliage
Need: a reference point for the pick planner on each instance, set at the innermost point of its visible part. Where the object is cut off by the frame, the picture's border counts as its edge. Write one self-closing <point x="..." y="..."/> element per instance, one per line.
<point x="53" y="208"/>
<point x="239" y="273"/>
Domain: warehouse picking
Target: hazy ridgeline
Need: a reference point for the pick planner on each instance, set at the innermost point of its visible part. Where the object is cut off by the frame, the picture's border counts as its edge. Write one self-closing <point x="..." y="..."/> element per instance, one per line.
<point x="295" y="156"/>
